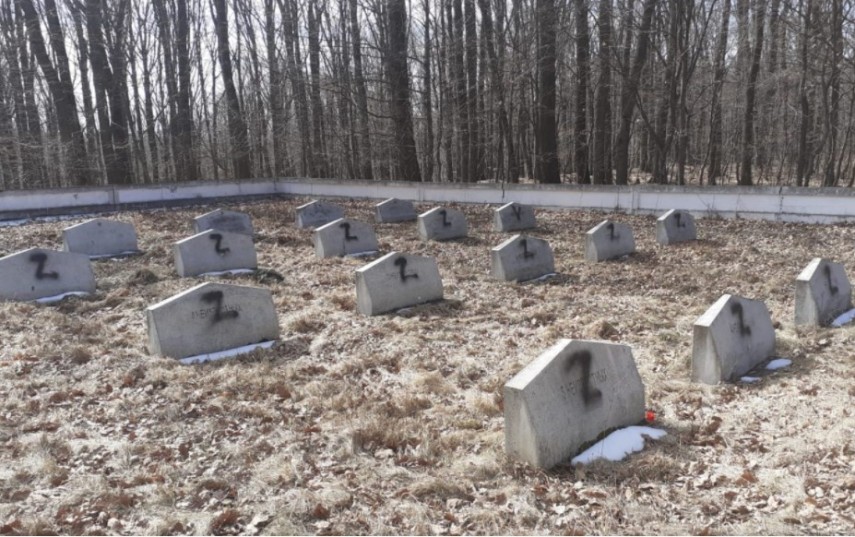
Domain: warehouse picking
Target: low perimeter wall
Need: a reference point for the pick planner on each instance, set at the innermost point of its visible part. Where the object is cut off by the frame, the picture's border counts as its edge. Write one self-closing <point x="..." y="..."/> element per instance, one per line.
<point x="821" y="205"/>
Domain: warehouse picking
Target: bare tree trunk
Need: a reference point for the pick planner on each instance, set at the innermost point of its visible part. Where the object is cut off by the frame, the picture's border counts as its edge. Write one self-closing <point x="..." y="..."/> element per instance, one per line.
<point x="406" y="161"/>
<point x="277" y="112"/>
<point x="715" y="141"/>
<point x="427" y="100"/>
<point x="833" y="112"/>
<point x="745" y="178"/>
<point x="602" y="165"/>
<point x="319" y="147"/>
<point x="546" y="167"/>
<point x="805" y="115"/>
<point x="365" y="158"/>
<point x="583" y="70"/>
<point x="628" y="95"/>
<point x="187" y="166"/>
<point x="237" y="125"/>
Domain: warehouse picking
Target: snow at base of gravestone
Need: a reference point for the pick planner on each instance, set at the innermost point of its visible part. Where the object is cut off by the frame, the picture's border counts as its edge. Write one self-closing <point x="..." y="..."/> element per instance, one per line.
<point x="619" y="444"/>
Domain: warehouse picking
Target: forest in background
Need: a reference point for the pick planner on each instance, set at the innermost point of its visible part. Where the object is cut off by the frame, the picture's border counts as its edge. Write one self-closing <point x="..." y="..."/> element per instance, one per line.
<point x="580" y="91"/>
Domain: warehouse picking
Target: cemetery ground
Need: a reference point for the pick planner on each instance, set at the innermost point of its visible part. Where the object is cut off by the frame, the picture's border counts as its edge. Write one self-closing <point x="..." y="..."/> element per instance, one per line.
<point x="393" y="424"/>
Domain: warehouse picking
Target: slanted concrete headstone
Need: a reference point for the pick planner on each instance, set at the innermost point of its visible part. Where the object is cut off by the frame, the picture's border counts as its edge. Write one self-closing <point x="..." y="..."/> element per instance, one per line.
<point x="214" y="251"/>
<point x="211" y="317"/>
<point x="823" y="292"/>
<point x="567" y="397"/>
<point x="396" y="281"/>
<point x="394" y="210"/>
<point x="521" y="258"/>
<point x="344" y="237"/>
<point x="513" y="217"/>
<point x="317" y="213"/>
<point x="38" y="273"/>
<point x="675" y="226"/>
<point x="232" y="221"/>
<point x="440" y="224"/>
<point x="731" y="338"/>
<point x="608" y="240"/>
<point x="100" y="237"/>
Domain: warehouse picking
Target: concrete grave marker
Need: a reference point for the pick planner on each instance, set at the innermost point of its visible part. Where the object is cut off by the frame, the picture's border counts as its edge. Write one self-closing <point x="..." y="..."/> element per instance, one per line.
<point x="568" y="396"/>
<point x="211" y="317"/>
<point x="39" y="273"/>
<point x="344" y="237"/>
<point x="822" y="293"/>
<point x="521" y="258"/>
<point x="394" y="210"/>
<point x="214" y="251"/>
<point x="397" y="281"/>
<point x="100" y="237"/>
<point x="608" y="240"/>
<point x="440" y="224"/>
<point x="675" y="226"/>
<point x="513" y="217"/>
<point x="231" y="221"/>
<point x="730" y="339"/>
<point x="317" y="213"/>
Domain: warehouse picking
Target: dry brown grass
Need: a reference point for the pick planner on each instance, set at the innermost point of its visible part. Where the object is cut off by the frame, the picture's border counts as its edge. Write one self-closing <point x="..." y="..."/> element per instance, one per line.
<point x="393" y="424"/>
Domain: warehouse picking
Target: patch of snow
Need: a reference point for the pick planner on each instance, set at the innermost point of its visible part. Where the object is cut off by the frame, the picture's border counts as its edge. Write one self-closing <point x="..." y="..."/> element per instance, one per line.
<point x="115" y="256"/>
<point x="363" y="254"/>
<point x="228" y="353"/>
<point x="750" y="380"/>
<point x="844" y="318"/>
<point x="545" y="277"/>
<point x="778" y="363"/>
<point x="57" y="298"/>
<point x="231" y="271"/>
<point x="619" y="444"/>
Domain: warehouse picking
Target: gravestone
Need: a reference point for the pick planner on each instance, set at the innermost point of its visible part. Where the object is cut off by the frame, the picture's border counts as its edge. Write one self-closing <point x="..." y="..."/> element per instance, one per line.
<point x="214" y="251"/>
<point x="568" y="396"/>
<point x="440" y="224"/>
<point x="100" y="237"/>
<point x="730" y="339"/>
<point x="822" y="293"/>
<point x="211" y="317"/>
<point x="39" y="273"/>
<point x="608" y="240"/>
<point x="231" y="221"/>
<point x="317" y="213"/>
<point x="344" y="237"/>
<point x="397" y="281"/>
<point x="394" y="210"/>
<point x="521" y="258"/>
<point x="513" y="217"/>
<point x="675" y="226"/>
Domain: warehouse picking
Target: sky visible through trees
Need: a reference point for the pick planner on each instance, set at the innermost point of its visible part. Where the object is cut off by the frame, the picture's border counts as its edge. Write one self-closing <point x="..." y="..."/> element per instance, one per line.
<point x="748" y="92"/>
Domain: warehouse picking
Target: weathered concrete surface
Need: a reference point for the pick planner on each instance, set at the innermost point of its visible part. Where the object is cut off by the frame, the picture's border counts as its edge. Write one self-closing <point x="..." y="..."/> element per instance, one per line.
<point x="567" y="397"/>
<point x="521" y="258"/>
<point x="211" y="317"/>
<point x="214" y="251"/>
<point x="344" y="237"/>
<point x="675" y="226"/>
<point x="100" y="237"/>
<point x="608" y="240"/>
<point x="317" y="213"/>
<point x="396" y="281"/>
<point x="38" y="273"/>
<point x="394" y="210"/>
<point x="231" y="221"/>
<point x="441" y="224"/>
<point x="823" y="292"/>
<point x="731" y="338"/>
<point x="513" y="217"/>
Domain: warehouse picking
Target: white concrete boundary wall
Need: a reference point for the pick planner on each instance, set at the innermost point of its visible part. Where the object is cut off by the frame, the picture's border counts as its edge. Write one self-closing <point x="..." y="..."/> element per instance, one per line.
<point x="820" y="205"/>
